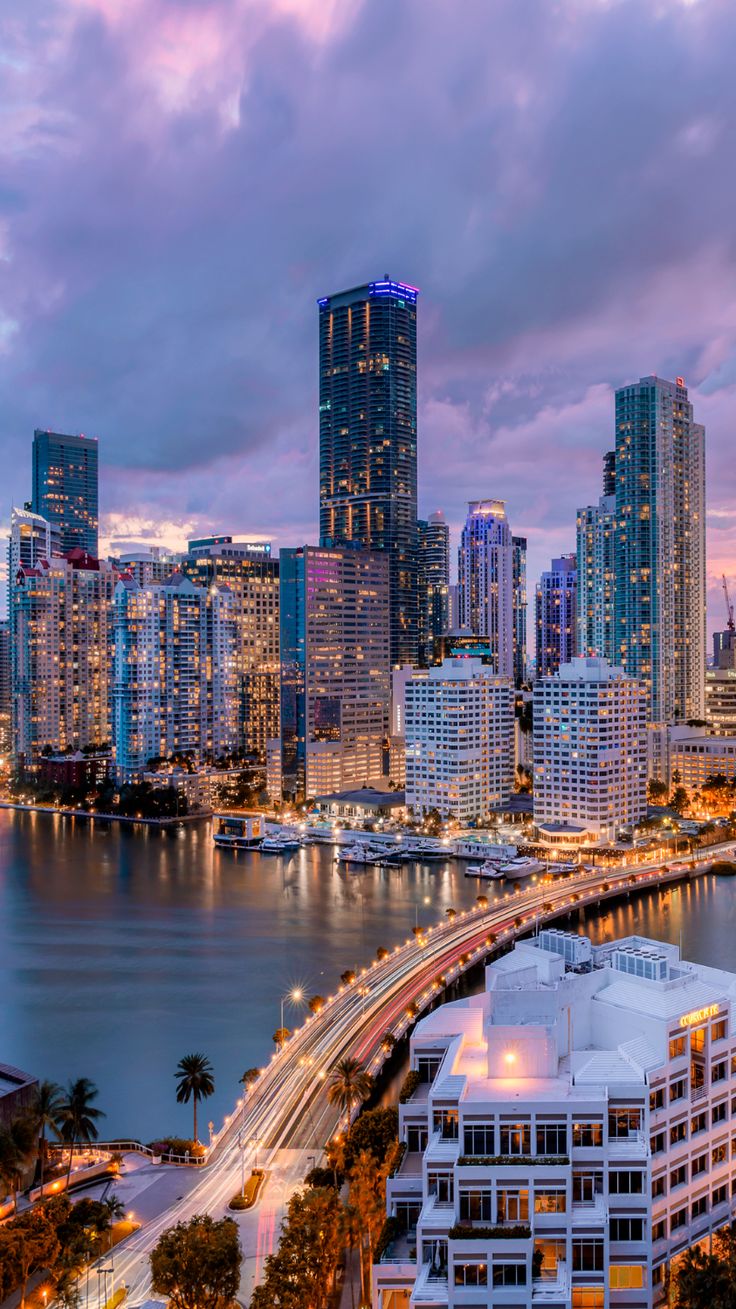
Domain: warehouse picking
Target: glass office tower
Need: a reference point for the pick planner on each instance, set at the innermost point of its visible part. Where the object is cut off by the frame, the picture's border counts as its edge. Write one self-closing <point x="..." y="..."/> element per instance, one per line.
<point x="65" y="489"/>
<point x="368" y="438"/>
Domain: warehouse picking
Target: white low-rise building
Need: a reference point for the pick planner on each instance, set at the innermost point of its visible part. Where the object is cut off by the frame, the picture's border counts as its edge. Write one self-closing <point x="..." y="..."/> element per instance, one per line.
<point x="570" y="1133"/>
<point x="590" y="748"/>
<point x="459" y="731"/>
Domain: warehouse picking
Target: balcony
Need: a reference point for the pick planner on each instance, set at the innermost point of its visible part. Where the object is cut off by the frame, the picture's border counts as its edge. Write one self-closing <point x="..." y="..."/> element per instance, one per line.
<point x="514" y="1160"/>
<point x="490" y="1232"/>
<point x="430" y="1288"/>
<point x="551" y="1286"/>
<point x="442" y="1149"/>
<point x="589" y="1213"/>
<point x="633" y="1146"/>
<point x="402" y="1250"/>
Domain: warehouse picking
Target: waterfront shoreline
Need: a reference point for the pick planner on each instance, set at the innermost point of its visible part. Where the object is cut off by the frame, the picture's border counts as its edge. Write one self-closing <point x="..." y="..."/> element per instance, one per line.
<point x="104" y="818"/>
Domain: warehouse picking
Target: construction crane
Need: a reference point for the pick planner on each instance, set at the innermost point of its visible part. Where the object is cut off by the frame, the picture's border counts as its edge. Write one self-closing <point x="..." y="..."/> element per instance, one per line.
<point x="729" y="607"/>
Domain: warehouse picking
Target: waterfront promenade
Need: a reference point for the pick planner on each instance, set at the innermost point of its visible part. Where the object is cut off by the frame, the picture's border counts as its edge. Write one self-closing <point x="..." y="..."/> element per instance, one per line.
<point x="286" y="1118"/>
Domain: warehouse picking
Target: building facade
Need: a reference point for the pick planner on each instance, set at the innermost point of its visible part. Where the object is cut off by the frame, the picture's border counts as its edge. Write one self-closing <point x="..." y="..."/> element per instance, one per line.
<point x="556" y="615"/>
<point x="660" y="546"/>
<point x="61" y="622"/>
<point x="65" y="489"/>
<point x="252" y="575"/>
<point x="29" y="542"/>
<point x="174" y="674"/>
<point x="459" y="739"/>
<point x="596" y="572"/>
<point x="720" y="701"/>
<point x="486" y="580"/>
<point x="6" y="689"/>
<point x="569" y="1135"/>
<point x="368" y="437"/>
<point x="520" y="599"/>
<point x="698" y="757"/>
<point x="335" y="670"/>
<point x="433" y="581"/>
<point x="590" y="749"/>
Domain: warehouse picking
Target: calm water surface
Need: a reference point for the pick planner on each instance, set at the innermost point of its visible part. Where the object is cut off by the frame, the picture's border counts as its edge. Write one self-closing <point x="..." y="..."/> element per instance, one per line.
<point x="122" y="949"/>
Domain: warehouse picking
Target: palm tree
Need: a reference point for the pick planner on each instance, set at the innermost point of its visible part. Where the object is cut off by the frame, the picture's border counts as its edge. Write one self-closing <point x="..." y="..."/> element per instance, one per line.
<point x="46" y="1116"/>
<point x="115" y="1210"/>
<point x="349" y="1085"/>
<point x="79" y="1116"/>
<point x="18" y="1146"/>
<point x="196" y="1082"/>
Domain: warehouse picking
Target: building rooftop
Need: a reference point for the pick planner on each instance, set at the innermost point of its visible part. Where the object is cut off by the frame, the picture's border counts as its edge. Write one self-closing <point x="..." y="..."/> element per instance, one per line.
<point x="366" y="796"/>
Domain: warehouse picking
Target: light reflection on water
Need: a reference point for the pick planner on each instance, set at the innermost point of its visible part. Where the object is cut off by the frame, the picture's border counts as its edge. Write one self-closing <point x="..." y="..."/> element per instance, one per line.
<point x="121" y="949"/>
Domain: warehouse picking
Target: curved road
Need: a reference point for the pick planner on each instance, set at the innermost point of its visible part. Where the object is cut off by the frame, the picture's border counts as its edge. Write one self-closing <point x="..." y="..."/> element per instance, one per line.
<point x="289" y="1099"/>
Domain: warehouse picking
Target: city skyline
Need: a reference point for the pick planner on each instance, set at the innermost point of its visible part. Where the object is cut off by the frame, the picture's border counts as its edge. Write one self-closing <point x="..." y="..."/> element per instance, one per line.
<point x="163" y="332"/>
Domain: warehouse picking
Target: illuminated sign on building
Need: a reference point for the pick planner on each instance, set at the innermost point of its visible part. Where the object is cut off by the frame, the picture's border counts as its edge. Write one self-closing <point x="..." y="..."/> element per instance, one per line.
<point x="699" y="1015"/>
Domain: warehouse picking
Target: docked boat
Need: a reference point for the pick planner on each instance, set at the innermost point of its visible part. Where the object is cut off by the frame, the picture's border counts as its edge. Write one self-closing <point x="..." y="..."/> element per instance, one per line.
<point x="238" y="831"/>
<point x="358" y="854"/>
<point x="560" y="869"/>
<point x="487" y="870"/>
<point x="279" y="844"/>
<point x="524" y="866"/>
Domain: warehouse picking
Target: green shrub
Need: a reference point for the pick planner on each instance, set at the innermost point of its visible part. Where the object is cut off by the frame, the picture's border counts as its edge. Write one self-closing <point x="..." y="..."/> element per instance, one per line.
<point x="409" y="1085"/>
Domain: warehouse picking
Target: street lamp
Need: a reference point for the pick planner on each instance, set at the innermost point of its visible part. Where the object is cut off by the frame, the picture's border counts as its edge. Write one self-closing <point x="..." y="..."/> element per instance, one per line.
<point x="292" y="997"/>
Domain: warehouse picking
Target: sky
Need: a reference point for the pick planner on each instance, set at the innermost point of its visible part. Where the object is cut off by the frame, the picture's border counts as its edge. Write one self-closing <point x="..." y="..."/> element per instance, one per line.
<point x="181" y="179"/>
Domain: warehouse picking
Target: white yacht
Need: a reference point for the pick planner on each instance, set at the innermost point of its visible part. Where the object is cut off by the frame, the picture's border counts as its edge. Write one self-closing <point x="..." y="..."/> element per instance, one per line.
<point x="522" y="867"/>
<point x="358" y="854"/>
<point x="487" y="870"/>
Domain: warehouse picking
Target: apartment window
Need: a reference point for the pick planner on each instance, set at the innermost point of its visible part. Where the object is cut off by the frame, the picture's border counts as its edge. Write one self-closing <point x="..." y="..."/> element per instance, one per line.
<point x="657" y="1142"/>
<point x="513" y="1207"/>
<point x="678" y="1176"/>
<point x="698" y="1038"/>
<point x="516" y="1138"/>
<point x="471" y="1274"/>
<point x="441" y="1186"/>
<point x="719" y="1154"/>
<point x="479" y="1138"/>
<point x="587" y="1134"/>
<point x="720" y="1194"/>
<point x="625" y="1277"/>
<point x="659" y="1186"/>
<point x="587" y="1255"/>
<point x="719" y="1071"/>
<point x="623" y="1122"/>
<point x="678" y="1089"/>
<point x="447" y="1122"/>
<point x="551" y="1138"/>
<point x="719" y="1030"/>
<point x="659" y="1230"/>
<point x="699" y="1207"/>
<point x="656" y="1099"/>
<point x="678" y="1220"/>
<point x="509" y="1274"/>
<point x="475" y="1206"/>
<point x="719" y="1113"/>
<point x="626" y="1183"/>
<point x="699" y="1165"/>
<point x="550" y="1202"/>
<point x="678" y="1045"/>
<point x="627" y="1229"/>
<point x="699" y="1123"/>
<point x="587" y="1297"/>
<point x="678" y="1133"/>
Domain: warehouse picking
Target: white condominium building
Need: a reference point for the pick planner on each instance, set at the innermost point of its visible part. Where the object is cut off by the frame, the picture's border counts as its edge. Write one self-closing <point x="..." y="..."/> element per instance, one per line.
<point x="590" y="749"/>
<point x="459" y="729"/>
<point x="486" y="580"/>
<point x="570" y="1133"/>
<point x="175" y="672"/>
<point x="720" y="701"/>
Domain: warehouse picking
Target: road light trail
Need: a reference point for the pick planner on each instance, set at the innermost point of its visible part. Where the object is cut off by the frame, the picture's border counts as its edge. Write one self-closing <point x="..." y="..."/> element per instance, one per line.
<point x="353" y="1022"/>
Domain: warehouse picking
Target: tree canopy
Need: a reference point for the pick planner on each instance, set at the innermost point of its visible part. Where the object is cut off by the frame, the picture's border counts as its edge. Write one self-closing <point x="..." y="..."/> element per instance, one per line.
<point x="196" y="1265"/>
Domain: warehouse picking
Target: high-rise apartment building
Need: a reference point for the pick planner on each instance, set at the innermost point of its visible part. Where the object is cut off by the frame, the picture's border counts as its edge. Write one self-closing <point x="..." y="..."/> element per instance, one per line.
<point x="29" y="542"/>
<point x="660" y="546"/>
<point x="486" y="580"/>
<point x="556" y="615"/>
<point x="569" y="1134"/>
<point x="152" y="563"/>
<point x="433" y="580"/>
<point x="61" y="620"/>
<point x="174" y="674"/>
<point x="368" y="438"/>
<point x="596" y="570"/>
<point x="519" y="544"/>
<point x="459" y="734"/>
<point x="720" y="701"/>
<point x="250" y="572"/>
<point x="6" y="689"/>
<point x="65" y="489"/>
<point x="590" y="752"/>
<point x="335" y="669"/>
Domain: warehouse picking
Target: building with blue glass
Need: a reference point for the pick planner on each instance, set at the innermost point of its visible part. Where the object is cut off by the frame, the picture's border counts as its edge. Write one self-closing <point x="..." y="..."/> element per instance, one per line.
<point x="65" y="489"/>
<point x="368" y="438"/>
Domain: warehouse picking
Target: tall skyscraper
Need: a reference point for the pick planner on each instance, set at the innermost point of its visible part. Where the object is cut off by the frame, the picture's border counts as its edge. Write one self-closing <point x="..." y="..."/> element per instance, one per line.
<point x="519" y="544"/>
<point x="61" y="620"/>
<point x="660" y="546"/>
<point x="335" y="669"/>
<point x="433" y="582"/>
<point x="486" y="580"/>
<point x="65" y="489"/>
<point x="368" y="437"/>
<point x="175" y="672"/>
<point x="556" y="615"/>
<point x="596" y="566"/>
<point x="250" y="572"/>
<point x="6" y="683"/>
<point x="30" y="541"/>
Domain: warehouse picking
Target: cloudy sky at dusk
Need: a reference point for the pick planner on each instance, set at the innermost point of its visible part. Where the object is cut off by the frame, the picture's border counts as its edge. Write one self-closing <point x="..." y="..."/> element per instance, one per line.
<point x="180" y="179"/>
